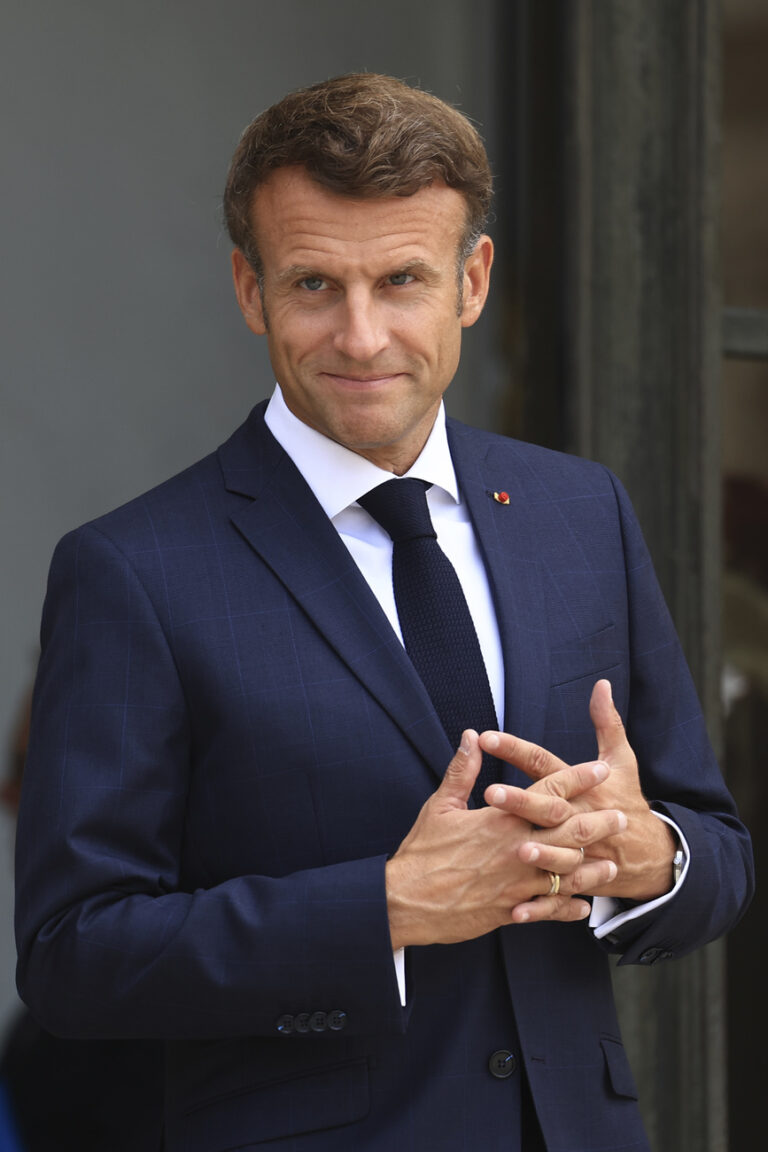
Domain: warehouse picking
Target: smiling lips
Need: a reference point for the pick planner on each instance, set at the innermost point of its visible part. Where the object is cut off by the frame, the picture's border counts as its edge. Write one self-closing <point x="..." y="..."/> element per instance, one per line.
<point x="361" y="381"/>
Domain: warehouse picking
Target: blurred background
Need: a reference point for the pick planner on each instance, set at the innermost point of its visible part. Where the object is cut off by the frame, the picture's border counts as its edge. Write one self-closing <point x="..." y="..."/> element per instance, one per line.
<point x="629" y="322"/>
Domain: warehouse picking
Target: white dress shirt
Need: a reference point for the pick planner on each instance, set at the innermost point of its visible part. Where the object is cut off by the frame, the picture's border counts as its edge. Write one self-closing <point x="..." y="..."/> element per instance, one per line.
<point x="338" y="477"/>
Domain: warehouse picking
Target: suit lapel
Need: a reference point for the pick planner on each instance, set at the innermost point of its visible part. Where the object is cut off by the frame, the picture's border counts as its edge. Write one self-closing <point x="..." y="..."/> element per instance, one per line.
<point x="507" y="537"/>
<point x="288" y="529"/>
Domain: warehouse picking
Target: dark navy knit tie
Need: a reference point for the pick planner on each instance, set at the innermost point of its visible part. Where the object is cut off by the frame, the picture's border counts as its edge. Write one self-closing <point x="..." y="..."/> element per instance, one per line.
<point x="437" y="627"/>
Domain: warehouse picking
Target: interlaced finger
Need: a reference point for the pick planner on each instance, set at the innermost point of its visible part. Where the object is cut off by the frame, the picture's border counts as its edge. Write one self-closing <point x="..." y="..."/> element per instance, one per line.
<point x="561" y="908"/>
<point x="562" y="850"/>
<point x="559" y="860"/>
<point x="546" y="803"/>
<point x="534" y="760"/>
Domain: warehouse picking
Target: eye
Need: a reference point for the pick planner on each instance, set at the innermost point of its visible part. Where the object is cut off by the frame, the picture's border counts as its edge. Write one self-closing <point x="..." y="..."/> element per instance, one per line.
<point x="312" y="283"/>
<point x="399" y="279"/>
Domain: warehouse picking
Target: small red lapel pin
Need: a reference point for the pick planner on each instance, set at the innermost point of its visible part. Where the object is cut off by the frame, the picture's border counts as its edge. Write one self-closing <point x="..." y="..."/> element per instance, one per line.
<point x="500" y="497"/>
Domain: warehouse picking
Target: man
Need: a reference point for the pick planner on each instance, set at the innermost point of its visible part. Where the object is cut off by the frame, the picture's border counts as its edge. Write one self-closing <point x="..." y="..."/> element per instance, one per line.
<point x="247" y="827"/>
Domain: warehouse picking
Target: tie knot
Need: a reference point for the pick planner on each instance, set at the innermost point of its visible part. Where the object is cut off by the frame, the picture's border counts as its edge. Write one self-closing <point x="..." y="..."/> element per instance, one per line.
<point x="400" y="507"/>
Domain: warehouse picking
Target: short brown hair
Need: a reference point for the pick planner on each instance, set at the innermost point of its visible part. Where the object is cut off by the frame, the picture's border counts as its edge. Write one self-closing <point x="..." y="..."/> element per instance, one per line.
<point x="360" y="135"/>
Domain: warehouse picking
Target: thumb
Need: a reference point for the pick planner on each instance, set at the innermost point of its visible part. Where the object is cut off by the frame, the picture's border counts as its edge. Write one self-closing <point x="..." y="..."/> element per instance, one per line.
<point x="460" y="775"/>
<point x="609" y="729"/>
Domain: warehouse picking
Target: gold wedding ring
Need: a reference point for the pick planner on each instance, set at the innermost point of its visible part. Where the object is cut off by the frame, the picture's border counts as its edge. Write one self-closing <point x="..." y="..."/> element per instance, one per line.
<point x="555" y="883"/>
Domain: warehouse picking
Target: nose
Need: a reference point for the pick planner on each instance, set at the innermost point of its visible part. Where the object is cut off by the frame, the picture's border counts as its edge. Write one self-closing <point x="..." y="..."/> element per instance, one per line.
<point x="362" y="332"/>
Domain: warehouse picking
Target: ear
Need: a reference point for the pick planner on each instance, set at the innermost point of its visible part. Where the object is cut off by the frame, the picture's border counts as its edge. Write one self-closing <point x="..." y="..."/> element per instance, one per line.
<point x="247" y="292"/>
<point x="477" y="278"/>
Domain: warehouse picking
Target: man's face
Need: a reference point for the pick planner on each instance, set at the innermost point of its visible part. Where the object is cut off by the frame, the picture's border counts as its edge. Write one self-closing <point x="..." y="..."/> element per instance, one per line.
<point x="359" y="306"/>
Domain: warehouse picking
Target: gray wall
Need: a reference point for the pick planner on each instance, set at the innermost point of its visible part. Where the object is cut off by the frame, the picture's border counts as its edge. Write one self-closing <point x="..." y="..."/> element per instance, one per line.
<point x="124" y="357"/>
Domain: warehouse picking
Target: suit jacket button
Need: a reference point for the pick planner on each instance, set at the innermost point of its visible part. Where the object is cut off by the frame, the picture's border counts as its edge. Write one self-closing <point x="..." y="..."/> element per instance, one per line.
<point x="650" y="956"/>
<point x="318" y="1021"/>
<point x="285" y="1025"/>
<point x="301" y="1022"/>
<point x="502" y="1064"/>
<point x="336" y="1020"/>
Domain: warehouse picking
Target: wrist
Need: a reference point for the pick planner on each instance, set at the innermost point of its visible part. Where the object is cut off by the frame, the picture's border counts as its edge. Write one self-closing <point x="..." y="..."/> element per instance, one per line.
<point x="652" y="875"/>
<point x="396" y="907"/>
<point x="667" y="849"/>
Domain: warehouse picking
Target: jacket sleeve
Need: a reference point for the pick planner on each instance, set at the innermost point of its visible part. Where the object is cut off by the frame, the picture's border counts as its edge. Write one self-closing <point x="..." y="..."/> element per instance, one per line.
<point x="110" y="943"/>
<point x="679" y="775"/>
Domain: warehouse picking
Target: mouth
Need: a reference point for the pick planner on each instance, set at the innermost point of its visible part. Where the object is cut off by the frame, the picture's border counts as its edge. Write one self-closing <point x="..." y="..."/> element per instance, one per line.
<point x="362" y="381"/>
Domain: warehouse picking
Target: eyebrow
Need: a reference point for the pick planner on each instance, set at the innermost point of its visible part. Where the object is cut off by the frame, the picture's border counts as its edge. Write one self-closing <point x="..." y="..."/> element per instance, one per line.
<point x="428" y="271"/>
<point x="296" y="272"/>
<point x="302" y="271"/>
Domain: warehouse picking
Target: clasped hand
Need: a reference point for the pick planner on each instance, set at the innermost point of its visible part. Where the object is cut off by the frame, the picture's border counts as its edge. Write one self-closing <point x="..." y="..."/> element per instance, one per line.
<point x="461" y="872"/>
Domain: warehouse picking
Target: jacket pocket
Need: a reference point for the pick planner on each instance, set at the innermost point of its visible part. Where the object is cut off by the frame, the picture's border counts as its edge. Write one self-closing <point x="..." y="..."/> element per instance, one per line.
<point x="585" y="656"/>
<point x="617" y="1064"/>
<point x="325" y="1098"/>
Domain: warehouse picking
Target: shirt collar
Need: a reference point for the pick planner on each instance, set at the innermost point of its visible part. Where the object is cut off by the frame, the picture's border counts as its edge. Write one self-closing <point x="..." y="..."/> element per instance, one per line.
<point x="338" y="476"/>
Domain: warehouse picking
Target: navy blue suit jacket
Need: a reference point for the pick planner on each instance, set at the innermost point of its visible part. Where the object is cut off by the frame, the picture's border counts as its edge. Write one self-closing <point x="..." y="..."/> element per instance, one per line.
<point x="228" y="741"/>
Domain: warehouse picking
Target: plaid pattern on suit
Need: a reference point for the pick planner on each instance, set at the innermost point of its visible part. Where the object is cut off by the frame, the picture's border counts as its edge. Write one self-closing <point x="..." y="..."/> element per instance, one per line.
<point x="229" y="740"/>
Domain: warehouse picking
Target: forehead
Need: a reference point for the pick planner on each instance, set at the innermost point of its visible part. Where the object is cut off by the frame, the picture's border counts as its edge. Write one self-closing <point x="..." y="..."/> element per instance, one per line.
<point x="297" y="221"/>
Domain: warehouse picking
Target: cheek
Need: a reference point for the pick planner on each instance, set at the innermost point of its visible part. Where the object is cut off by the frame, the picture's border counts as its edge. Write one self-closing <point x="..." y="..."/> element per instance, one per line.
<point x="290" y="346"/>
<point x="446" y="344"/>
<point x="429" y="336"/>
<point x="309" y="336"/>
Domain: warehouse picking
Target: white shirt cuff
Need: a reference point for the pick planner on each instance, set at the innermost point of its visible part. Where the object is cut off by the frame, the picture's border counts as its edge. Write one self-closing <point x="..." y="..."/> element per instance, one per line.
<point x="604" y="917"/>
<point x="399" y="958"/>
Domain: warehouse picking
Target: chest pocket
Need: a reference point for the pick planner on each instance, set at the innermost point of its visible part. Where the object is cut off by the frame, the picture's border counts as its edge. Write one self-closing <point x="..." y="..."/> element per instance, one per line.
<point x="585" y="656"/>
<point x="575" y="668"/>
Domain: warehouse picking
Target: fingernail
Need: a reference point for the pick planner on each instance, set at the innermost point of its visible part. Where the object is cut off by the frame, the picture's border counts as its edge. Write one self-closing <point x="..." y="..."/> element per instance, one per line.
<point x="534" y="855"/>
<point x="612" y="870"/>
<point x="622" y="821"/>
<point x="583" y="911"/>
<point x="491" y="741"/>
<point x="600" y="770"/>
<point x="465" y="744"/>
<point x="498" y="796"/>
<point x="525" y="916"/>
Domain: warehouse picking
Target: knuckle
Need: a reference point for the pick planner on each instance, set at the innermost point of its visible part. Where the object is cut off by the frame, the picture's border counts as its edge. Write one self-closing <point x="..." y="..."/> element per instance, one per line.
<point x="560" y="810"/>
<point x="538" y="761"/>
<point x="559" y="905"/>
<point x="556" y="788"/>
<point x="581" y="831"/>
